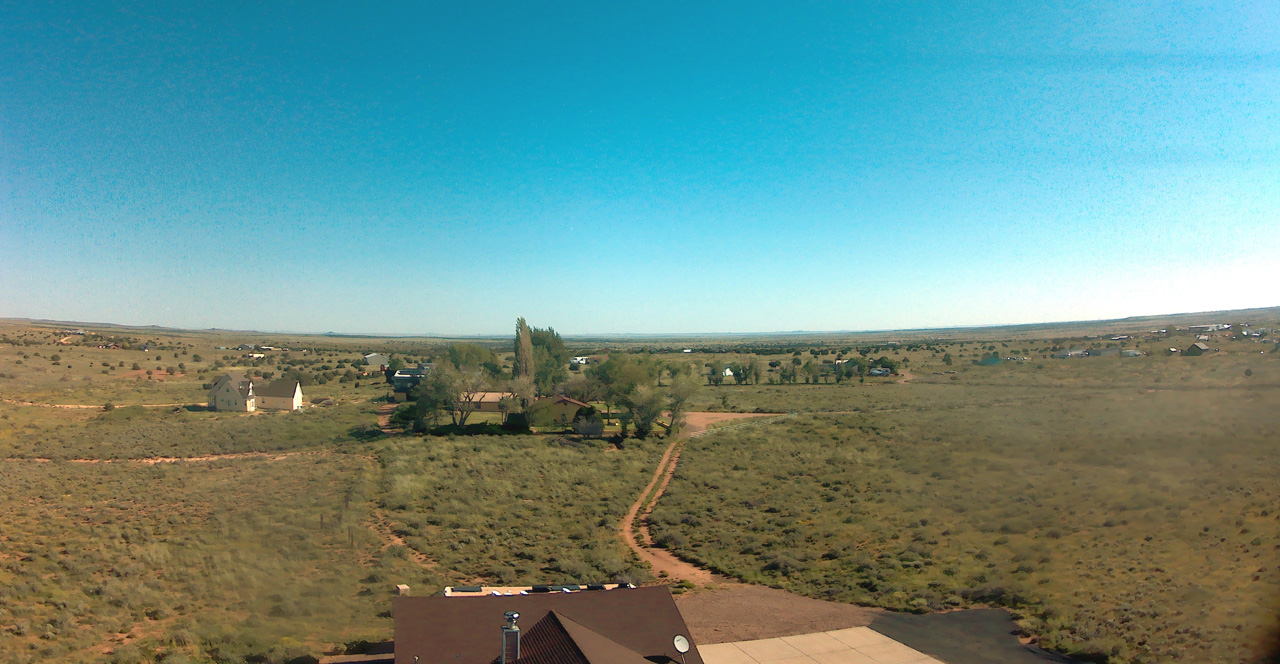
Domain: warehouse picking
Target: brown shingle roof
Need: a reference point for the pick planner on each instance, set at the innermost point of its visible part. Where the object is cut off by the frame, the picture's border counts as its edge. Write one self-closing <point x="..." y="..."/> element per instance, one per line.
<point x="566" y="399"/>
<point x="558" y="640"/>
<point x="602" y="625"/>
<point x="239" y="381"/>
<point x="279" y="388"/>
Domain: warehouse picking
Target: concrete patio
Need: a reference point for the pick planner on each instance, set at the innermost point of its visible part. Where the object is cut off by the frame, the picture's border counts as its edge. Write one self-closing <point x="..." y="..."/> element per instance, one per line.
<point x="856" y="645"/>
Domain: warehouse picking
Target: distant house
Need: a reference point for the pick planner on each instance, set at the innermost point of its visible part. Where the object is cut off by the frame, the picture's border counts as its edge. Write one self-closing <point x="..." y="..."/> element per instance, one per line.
<point x="233" y="392"/>
<point x="376" y="361"/>
<point x="406" y="379"/>
<point x="488" y="402"/>
<point x="1197" y="348"/>
<point x="283" y="394"/>
<point x="580" y="360"/>
<point x="728" y="373"/>
<point x="563" y="409"/>
<point x="1103" y="352"/>
<point x="1073" y="352"/>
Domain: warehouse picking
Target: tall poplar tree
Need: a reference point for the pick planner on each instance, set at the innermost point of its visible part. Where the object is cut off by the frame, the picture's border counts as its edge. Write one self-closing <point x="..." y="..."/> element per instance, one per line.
<point x="523" y="366"/>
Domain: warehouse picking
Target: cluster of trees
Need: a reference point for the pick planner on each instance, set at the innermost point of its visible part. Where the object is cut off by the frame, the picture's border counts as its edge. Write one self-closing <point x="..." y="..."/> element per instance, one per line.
<point x="540" y="355"/>
<point x="631" y="385"/>
<point x="748" y="370"/>
<point x="745" y="371"/>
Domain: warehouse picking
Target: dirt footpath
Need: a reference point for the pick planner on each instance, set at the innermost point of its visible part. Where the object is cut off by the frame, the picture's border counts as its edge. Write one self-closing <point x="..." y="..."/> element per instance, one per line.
<point x="661" y="560"/>
<point x="384" y="418"/>
<point x="734" y="612"/>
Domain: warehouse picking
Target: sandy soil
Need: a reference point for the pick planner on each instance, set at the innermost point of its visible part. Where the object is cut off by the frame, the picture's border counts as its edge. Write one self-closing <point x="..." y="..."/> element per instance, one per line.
<point x="733" y="612"/>
<point x="698" y="422"/>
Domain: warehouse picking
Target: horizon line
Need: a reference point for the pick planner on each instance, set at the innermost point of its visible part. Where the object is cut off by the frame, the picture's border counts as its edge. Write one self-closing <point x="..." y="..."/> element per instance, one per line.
<point x="648" y="335"/>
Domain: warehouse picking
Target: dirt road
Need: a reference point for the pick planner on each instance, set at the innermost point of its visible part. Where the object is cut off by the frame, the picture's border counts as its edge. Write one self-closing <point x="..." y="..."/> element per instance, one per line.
<point x="384" y="418"/>
<point x="661" y="560"/>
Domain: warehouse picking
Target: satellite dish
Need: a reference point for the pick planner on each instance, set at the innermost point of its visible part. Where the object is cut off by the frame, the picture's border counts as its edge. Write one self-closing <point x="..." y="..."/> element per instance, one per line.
<point x="682" y="643"/>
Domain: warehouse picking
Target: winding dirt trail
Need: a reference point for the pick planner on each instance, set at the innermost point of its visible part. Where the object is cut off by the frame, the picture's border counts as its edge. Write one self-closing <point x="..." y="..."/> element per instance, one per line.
<point x="383" y="529"/>
<point x="384" y="418"/>
<point x="661" y="560"/>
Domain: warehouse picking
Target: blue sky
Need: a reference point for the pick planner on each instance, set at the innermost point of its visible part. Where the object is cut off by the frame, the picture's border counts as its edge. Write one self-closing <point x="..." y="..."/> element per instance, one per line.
<point x="660" y="167"/>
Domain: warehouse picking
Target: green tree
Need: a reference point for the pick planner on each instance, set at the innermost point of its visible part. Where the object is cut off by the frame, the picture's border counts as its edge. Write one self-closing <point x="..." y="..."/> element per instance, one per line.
<point x="474" y="355"/>
<point x="522" y="365"/>
<point x="682" y="390"/>
<point x="451" y="390"/>
<point x="715" y="372"/>
<point x="644" y="405"/>
<point x="550" y="359"/>
<point x="617" y="377"/>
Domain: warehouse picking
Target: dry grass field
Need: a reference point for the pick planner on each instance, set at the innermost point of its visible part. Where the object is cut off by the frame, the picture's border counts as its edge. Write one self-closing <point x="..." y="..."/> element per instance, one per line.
<point x="1124" y="508"/>
<point x="227" y="560"/>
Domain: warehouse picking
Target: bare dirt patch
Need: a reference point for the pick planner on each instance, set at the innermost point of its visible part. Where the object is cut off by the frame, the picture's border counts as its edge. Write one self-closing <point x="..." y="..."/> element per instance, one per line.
<point x="734" y="611"/>
<point x="697" y="422"/>
<point x="384" y="418"/>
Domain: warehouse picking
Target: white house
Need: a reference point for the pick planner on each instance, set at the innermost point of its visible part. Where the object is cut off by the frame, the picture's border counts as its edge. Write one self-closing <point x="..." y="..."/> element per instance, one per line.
<point x="376" y="361"/>
<point x="728" y="373"/>
<point x="282" y="394"/>
<point x="233" y="391"/>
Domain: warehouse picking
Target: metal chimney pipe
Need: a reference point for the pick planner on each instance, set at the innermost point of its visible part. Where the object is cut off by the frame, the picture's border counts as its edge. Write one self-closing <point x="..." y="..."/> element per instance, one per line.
<point x="510" y="639"/>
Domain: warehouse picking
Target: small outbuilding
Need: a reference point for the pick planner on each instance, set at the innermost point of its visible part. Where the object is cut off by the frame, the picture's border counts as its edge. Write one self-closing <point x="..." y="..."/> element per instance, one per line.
<point x="560" y="409"/>
<point x="1197" y="348"/>
<point x="283" y="394"/>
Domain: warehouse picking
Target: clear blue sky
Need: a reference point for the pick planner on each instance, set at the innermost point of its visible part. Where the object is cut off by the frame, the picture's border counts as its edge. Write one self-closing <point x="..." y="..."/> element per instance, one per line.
<point x="658" y="167"/>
